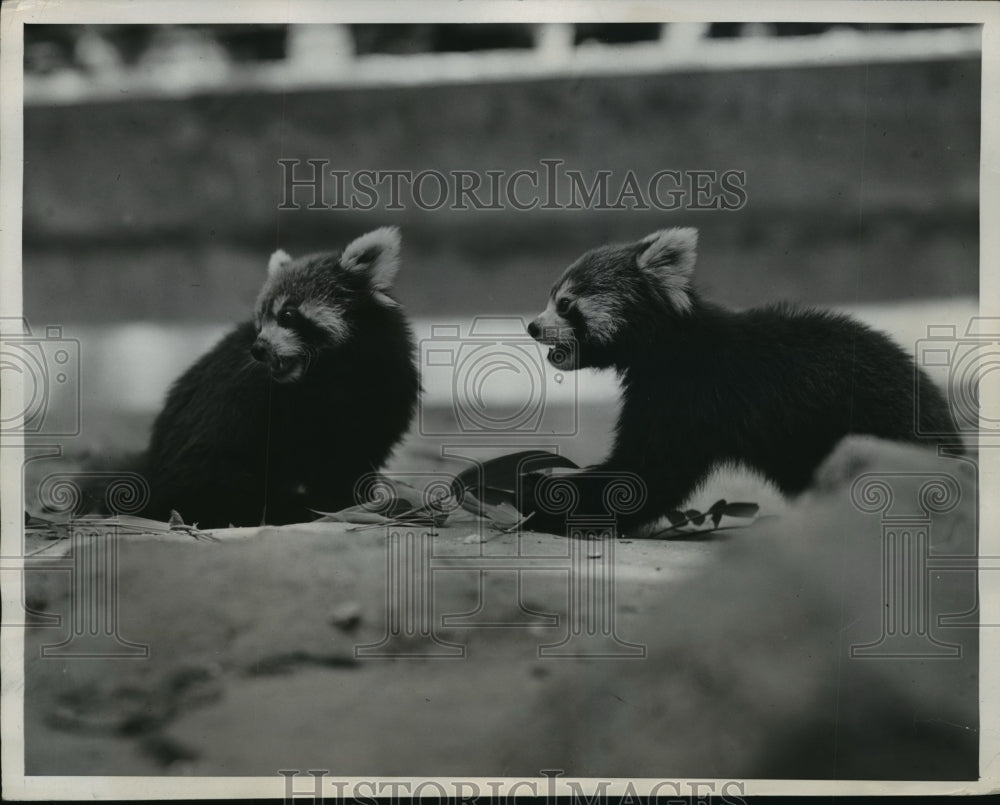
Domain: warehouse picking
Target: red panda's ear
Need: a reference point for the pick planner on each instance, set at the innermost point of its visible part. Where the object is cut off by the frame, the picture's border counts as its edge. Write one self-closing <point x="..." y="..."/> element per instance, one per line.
<point x="278" y="259"/>
<point x="376" y="254"/>
<point x="670" y="256"/>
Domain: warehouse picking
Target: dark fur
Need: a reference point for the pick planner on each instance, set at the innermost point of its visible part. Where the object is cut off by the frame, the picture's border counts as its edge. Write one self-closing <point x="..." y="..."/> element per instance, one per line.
<point x="233" y="446"/>
<point x="773" y="389"/>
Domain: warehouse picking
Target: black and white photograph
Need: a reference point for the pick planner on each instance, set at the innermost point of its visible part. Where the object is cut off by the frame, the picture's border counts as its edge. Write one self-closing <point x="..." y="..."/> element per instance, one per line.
<point x="459" y="399"/>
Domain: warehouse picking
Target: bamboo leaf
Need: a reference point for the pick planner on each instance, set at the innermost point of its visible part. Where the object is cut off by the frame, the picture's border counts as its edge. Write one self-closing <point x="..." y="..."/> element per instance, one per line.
<point x="675" y="517"/>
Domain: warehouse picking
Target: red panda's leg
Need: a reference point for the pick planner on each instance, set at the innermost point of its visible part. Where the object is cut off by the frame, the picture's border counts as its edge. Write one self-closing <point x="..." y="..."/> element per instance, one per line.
<point x="589" y="494"/>
<point x="666" y="488"/>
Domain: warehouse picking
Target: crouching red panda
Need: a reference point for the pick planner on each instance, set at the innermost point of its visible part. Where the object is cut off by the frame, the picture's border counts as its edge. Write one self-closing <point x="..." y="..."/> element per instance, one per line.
<point x="289" y="410"/>
<point x="772" y="389"/>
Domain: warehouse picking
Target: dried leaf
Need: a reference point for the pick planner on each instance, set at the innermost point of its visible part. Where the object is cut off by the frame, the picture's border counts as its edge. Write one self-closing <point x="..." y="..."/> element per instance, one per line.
<point x="695" y="516"/>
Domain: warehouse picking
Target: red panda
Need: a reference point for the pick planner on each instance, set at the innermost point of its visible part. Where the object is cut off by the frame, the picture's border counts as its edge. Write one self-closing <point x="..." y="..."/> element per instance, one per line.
<point x="290" y="409"/>
<point x="772" y="389"/>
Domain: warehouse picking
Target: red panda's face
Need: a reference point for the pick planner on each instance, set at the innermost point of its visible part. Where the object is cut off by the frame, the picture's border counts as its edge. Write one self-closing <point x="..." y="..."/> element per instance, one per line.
<point x="585" y="310"/>
<point x="599" y="308"/>
<point x="313" y="305"/>
<point x="292" y="330"/>
<point x="554" y="328"/>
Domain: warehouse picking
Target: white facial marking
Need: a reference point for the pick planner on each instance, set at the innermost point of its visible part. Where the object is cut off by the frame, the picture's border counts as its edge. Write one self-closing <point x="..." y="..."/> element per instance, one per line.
<point x="283" y="342"/>
<point x="599" y="316"/>
<point x="329" y="318"/>
<point x="288" y="360"/>
<point x="278" y="304"/>
<point x="554" y="328"/>
<point x="384" y="299"/>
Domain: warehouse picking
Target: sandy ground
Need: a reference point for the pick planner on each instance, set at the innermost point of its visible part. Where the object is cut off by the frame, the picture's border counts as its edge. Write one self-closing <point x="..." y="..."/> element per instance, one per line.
<point x="316" y="646"/>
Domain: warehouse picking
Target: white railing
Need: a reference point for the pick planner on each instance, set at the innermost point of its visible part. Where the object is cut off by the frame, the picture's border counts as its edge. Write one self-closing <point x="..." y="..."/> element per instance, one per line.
<point x="322" y="56"/>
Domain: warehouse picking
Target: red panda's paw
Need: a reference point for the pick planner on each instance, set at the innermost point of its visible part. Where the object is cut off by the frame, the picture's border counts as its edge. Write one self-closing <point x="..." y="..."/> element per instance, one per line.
<point x="536" y="508"/>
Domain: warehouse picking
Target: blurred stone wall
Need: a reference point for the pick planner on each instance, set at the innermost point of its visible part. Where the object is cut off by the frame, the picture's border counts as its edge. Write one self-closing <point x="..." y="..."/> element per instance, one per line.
<point x="861" y="182"/>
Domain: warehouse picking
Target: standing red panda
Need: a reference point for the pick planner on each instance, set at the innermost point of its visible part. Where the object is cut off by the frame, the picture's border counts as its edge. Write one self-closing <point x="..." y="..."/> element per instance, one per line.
<point x="289" y="410"/>
<point x="772" y="389"/>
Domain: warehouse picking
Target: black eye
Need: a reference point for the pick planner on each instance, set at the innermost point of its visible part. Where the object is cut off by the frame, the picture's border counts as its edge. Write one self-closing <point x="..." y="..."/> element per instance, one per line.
<point x="287" y="317"/>
<point x="563" y="306"/>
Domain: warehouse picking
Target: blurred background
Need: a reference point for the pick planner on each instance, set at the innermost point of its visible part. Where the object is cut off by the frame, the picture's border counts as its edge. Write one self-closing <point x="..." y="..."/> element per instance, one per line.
<point x="152" y="187"/>
<point x="152" y="184"/>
